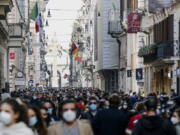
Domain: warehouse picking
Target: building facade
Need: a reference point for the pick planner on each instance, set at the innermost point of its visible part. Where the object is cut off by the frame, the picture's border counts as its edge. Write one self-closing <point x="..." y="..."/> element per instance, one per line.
<point x="36" y="67"/>
<point x="161" y="51"/>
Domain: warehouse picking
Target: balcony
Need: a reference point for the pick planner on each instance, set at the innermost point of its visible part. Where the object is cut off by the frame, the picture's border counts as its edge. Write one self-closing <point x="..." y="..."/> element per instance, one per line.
<point x="159" y="51"/>
<point x="5" y="7"/>
<point x="148" y="50"/>
<point x="165" y="50"/>
<point x="16" y="30"/>
<point x="114" y="25"/>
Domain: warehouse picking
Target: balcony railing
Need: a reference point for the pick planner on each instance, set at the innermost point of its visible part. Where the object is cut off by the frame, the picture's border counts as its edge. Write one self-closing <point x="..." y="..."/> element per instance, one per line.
<point x="165" y="50"/>
<point x="15" y="30"/>
<point x="114" y="26"/>
<point x="159" y="51"/>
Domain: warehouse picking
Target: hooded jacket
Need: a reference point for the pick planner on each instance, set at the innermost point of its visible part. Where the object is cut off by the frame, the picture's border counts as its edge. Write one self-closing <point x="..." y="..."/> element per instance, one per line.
<point x="154" y="125"/>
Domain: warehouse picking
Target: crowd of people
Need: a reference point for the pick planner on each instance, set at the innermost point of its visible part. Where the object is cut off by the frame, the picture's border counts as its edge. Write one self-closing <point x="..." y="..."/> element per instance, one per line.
<point x="88" y="112"/>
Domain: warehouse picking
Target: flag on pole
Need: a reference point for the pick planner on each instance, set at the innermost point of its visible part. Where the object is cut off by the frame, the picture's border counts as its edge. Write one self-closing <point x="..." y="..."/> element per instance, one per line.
<point x="34" y="13"/>
<point x="37" y="27"/>
<point x="79" y="59"/>
<point x="65" y="76"/>
<point x="35" y="16"/>
<point x="75" y="50"/>
<point x="114" y="6"/>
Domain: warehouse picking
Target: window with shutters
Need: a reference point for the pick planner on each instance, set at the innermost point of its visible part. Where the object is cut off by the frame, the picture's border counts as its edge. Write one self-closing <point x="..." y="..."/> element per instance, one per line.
<point x="132" y="5"/>
<point x="170" y="28"/>
<point x="95" y="36"/>
<point x="163" y="31"/>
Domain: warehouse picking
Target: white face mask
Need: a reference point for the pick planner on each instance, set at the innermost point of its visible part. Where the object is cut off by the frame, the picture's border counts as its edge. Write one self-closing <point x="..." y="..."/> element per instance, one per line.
<point x="125" y="106"/>
<point x="158" y="111"/>
<point x="5" y="118"/>
<point x="174" y="120"/>
<point x="69" y="116"/>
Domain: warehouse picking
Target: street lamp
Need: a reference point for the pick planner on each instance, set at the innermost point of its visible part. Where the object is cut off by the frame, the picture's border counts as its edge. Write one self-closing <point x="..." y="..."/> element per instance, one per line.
<point x="47" y="23"/>
<point x="49" y="14"/>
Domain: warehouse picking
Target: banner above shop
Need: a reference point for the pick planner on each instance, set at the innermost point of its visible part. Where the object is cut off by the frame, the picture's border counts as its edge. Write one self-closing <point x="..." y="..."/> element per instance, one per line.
<point x="12" y="55"/>
<point x="134" y="21"/>
<point x="139" y="74"/>
<point x="159" y="5"/>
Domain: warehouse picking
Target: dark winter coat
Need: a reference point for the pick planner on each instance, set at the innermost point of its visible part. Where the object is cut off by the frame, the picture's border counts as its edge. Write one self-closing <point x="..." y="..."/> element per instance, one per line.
<point x="88" y="115"/>
<point x="154" y="125"/>
<point x="110" y="122"/>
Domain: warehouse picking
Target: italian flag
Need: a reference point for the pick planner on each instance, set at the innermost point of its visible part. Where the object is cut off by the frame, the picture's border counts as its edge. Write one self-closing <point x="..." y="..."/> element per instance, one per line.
<point x="35" y="16"/>
<point x="75" y="53"/>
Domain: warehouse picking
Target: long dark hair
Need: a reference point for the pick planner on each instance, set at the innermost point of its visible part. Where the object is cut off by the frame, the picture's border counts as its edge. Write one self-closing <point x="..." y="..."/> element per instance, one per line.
<point x="40" y="125"/>
<point x="54" y="113"/>
<point x="18" y="109"/>
<point x="48" y="119"/>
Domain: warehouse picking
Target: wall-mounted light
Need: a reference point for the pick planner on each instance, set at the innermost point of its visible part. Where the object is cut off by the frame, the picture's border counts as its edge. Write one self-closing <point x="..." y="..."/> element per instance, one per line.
<point x="47" y="24"/>
<point x="49" y="14"/>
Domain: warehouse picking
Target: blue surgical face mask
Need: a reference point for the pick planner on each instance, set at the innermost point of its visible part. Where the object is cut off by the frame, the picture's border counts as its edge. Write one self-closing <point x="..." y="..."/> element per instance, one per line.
<point x="33" y="121"/>
<point x="50" y="111"/>
<point x="93" y="107"/>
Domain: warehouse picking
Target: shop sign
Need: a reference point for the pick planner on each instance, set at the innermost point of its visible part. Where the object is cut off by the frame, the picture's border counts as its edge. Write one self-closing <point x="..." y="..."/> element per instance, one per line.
<point x="12" y="55"/>
<point x="20" y="81"/>
<point x="19" y="74"/>
<point x="43" y="83"/>
<point x="140" y="84"/>
<point x="134" y="21"/>
<point x="139" y="74"/>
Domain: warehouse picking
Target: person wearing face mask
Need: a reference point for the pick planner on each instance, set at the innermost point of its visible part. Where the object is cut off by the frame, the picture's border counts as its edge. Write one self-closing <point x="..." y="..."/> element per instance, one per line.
<point x="45" y="116"/>
<point x="126" y="109"/>
<point x="35" y="121"/>
<point x="140" y="110"/>
<point x="93" y="108"/>
<point x="51" y="111"/>
<point x="125" y="106"/>
<point x="111" y="121"/>
<point x="69" y="124"/>
<point x="175" y="119"/>
<point x="13" y="119"/>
